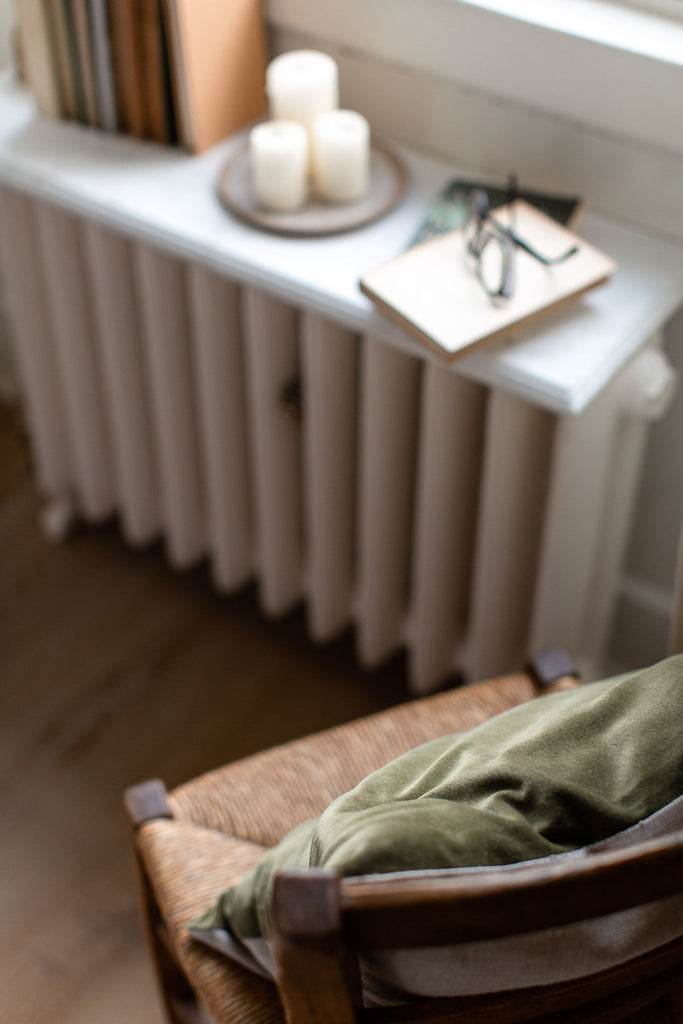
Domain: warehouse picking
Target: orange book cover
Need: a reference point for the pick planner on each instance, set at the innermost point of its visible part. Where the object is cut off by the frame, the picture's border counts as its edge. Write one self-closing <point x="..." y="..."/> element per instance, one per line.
<point x="218" y="61"/>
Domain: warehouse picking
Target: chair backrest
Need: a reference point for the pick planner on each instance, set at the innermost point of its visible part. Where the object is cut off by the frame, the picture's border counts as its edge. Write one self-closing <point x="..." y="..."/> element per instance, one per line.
<point x="324" y="924"/>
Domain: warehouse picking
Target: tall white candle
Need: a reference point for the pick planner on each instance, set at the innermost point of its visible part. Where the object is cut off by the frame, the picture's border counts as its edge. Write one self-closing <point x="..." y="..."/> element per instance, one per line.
<point x="279" y="164"/>
<point x="341" y="155"/>
<point x="301" y="85"/>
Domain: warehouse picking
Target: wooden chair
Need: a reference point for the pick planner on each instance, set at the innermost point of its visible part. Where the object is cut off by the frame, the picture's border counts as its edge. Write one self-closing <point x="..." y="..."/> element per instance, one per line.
<point x="194" y="842"/>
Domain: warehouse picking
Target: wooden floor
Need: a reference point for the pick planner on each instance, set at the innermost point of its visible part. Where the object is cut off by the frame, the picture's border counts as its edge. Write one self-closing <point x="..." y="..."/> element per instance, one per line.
<point x="114" y="669"/>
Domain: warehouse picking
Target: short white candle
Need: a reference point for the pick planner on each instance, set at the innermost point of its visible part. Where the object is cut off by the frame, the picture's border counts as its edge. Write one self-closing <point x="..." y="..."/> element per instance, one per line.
<point x="301" y="85"/>
<point x="341" y="155"/>
<point x="279" y="164"/>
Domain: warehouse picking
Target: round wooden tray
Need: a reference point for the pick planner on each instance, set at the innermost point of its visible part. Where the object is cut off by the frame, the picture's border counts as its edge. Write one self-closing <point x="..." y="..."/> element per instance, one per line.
<point x="388" y="180"/>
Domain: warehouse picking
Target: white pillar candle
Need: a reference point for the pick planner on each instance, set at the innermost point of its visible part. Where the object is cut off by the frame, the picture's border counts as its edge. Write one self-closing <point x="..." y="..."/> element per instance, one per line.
<point x="341" y="155"/>
<point x="279" y="164"/>
<point x="301" y="85"/>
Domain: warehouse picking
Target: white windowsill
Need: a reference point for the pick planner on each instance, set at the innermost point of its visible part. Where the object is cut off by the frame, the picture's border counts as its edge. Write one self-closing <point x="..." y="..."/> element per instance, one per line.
<point x="603" y="64"/>
<point x="166" y="198"/>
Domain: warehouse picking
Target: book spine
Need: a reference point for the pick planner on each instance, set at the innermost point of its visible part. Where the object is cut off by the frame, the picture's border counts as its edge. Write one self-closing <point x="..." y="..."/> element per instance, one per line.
<point x="177" y="69"/>
<point x="102" y="60"/>
<point x="74" y="64"/>
<point x="60" y="57"/>
<point x="172" y="133"/>
<point x="84" y="52"/>
<point x="54" y="56"/>
<point x="118" y="53"/>
<point x="38" y="56"/>
<point x="129" y="58"/>
<point x="153" y="73"/>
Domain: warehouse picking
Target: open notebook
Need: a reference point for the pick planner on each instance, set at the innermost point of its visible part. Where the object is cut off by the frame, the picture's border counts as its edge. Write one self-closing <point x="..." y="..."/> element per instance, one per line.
<point x="433" y="292"/>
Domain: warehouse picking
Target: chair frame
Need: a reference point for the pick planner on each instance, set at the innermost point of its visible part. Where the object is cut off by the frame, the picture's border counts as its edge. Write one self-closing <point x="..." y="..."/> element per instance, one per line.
<point x="322" y="924"/>
<point x="147" y="802"/>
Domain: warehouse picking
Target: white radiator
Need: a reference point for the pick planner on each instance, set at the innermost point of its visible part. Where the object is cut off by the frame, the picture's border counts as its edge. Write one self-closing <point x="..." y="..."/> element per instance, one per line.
<point x="386" y="492"/>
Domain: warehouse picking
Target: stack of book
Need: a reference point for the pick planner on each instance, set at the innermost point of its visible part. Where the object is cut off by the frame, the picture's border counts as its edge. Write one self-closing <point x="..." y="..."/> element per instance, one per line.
<point x="185" y="72"/>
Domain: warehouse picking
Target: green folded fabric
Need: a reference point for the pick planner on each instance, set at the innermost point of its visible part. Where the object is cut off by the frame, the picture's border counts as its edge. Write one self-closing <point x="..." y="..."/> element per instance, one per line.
<point x="549" y="776"/>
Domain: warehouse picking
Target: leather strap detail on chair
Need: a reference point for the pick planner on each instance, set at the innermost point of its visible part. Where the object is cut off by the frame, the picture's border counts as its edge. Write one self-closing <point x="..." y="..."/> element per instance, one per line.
<point x="553" y="670"/>
<point x="147" y="801"/>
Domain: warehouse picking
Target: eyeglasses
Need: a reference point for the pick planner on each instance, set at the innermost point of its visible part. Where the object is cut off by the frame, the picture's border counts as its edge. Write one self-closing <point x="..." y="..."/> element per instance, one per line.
<point x="491" y="245"/>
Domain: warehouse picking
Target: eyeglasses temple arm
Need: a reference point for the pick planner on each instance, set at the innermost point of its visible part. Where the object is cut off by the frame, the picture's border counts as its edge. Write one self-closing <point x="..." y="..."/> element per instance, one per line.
<point x="546" y="260"/>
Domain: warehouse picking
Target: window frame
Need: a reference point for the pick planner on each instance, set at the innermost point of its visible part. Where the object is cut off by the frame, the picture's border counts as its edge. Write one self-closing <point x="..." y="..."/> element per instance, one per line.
<point x="596" y="62"/>
<point x="666" y="8"/>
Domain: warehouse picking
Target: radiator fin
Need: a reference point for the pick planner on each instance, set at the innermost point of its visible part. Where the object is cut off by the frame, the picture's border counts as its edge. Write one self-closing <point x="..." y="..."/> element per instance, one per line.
<point x="216" y="314"/>
<point x="388" y="493"/>
<point x="272" y="360"/>
<point x="167" y="343"/>
<point x="22" y="274"/>
<point x="390" y="391"/>
<point x="516" y="465"/>
<point x="450" y="457"/>
<point x="330" y="438"/>
<point x="126" y="391"/>
<point x="78" y="358"/>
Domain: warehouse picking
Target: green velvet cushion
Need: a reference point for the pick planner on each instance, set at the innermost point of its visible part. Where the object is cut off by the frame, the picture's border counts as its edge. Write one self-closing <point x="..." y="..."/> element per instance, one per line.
<point x="552" y="775"/>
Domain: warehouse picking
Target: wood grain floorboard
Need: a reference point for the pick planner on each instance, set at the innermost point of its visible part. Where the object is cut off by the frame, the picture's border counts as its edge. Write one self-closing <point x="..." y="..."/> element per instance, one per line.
<point x="114" y="669"/>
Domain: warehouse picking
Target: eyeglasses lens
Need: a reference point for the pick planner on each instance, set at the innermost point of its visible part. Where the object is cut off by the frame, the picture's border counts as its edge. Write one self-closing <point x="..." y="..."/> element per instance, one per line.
<point x="494" y="257"/>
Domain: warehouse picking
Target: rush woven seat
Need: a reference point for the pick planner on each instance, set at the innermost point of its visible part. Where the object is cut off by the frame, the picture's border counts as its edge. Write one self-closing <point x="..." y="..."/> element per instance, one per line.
<point x="203" y="837"/>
